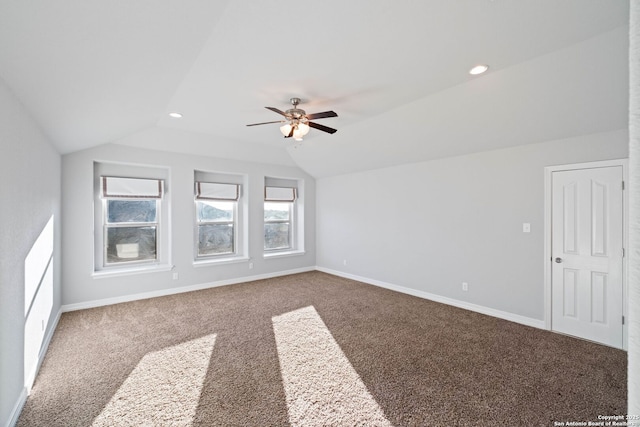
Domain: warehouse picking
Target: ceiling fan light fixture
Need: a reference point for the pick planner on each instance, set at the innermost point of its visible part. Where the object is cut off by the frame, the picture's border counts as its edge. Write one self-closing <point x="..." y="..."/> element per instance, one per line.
<point x="303" y="128"/>
<point x="285" y="129"/>
<point x="478" y="69"/>
<point x="299" y="131"/>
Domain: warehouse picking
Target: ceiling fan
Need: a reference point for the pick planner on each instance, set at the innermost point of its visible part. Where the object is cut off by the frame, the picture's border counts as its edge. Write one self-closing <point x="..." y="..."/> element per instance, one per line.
<point x="298" y="121"/>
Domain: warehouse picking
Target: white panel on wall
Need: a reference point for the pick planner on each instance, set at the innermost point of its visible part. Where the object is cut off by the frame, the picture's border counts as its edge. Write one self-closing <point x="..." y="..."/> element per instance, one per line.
<point x="36" y="324"/>
<point x="36" y="263"/>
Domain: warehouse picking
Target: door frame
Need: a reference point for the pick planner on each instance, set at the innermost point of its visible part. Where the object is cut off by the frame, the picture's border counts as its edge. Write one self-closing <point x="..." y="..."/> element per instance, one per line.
<point x="548" y="173"/>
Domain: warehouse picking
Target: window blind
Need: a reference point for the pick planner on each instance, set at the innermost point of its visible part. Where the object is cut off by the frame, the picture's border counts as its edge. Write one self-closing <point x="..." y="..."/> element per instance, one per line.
<point x="217" y="191"/>
<point x="279" y="194"/>
<point x="132" y="188"/>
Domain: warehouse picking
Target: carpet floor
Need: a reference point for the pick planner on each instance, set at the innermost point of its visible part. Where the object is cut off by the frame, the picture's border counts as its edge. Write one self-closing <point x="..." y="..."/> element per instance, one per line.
<point x="314" y="349"/>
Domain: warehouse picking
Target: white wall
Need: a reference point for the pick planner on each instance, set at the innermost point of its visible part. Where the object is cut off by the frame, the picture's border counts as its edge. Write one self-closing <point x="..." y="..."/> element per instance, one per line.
<point x="82" y="289"/>
<point x="29" y="249"/>
<point x="431" y="226"/>
<point x="633" y="374"/>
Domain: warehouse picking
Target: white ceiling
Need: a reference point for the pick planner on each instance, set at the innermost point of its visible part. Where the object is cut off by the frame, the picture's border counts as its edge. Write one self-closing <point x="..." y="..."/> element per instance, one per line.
<point x="396" y="72"/>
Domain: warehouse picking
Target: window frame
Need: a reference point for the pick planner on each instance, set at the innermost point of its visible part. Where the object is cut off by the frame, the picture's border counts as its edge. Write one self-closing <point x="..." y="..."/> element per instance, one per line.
<point x="111" y="176"/>
<point x="209" y="185"/>
<point x="120" y="173"/>
<point x="283" y="191"/>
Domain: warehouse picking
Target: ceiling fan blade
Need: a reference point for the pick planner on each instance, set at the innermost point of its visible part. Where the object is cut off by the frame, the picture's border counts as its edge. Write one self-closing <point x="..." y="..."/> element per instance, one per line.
<point x="275" y="110"/>
<point x="322" y="127"/>
<point x="322" y="115"/>
<point x="266" y="123"/>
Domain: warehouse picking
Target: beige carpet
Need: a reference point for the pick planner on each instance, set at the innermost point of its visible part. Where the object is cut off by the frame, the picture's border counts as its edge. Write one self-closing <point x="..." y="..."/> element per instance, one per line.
<point x="314" y="349"/>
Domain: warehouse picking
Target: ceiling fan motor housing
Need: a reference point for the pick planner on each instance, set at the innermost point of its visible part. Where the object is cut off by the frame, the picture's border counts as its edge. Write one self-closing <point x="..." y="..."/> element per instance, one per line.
<point x="295" y="112"/>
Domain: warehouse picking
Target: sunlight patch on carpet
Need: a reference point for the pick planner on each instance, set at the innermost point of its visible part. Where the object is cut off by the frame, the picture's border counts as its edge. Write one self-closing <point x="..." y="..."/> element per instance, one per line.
<point x="163" y="389"/>
<point x="321" y="386"/>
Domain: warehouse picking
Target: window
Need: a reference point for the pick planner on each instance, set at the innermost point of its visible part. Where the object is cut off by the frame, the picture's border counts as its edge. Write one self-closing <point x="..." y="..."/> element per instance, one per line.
<point x="279" y="206"/>
<point x="216" y="218"/>
<point x="221" y="221"/>
<point x="131" y="219"/>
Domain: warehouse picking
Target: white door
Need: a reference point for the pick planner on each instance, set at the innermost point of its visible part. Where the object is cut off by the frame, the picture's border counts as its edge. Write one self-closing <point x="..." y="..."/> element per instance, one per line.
<point x="587" y="227"/>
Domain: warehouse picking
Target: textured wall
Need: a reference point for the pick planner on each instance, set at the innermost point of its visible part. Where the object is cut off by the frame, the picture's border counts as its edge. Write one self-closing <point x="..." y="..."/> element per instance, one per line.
<point x="634" y="224"/>
<point x="29" y="199"/>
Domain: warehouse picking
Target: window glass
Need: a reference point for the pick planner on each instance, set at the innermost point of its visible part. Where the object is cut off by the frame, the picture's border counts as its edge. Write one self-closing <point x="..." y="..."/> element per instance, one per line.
<point x="277" y="225"/>
<point x="127" y="244"/>
<point x="216" y="227"/>
<point x="277" y="236"/>
<point x="131" y="230"/>
<point x="131" y="211"/>
<point x="277" y="211"/>
<point x="215" y="211"/>
<point x="215" y="239"/>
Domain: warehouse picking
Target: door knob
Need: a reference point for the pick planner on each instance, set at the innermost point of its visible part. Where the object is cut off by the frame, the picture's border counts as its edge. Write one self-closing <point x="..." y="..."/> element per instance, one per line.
<point x="558" y="260"/>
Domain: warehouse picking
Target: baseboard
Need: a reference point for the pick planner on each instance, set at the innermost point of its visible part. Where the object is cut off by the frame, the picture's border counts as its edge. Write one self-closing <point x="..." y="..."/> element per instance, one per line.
<point x="24" y="394"/>
<point x="444" y="300"/>
<point x="43" y="351"/>
<point x="173" y="291"/>
<point x="17" y="408"/>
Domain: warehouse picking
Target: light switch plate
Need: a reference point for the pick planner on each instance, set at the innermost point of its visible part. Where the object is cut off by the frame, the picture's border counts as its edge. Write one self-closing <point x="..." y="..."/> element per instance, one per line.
<point x="526" y="227"/>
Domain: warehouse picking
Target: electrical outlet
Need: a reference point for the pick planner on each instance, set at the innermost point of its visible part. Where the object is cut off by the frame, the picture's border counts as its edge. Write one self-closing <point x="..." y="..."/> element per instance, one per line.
<point x="250" y="265"/>
<point x="344" y="262"/>
<point x="175" y="276"/>
<point x="465" y="286"/>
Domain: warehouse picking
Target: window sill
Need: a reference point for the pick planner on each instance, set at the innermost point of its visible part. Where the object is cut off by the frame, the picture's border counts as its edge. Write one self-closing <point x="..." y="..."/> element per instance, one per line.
<point x="127" y="271"/>
<point x="283" y="254"/>
<point x="219" y="261"/>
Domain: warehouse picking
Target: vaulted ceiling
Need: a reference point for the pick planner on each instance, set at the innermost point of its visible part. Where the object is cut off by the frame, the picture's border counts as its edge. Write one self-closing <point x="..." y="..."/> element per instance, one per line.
<point x="396" y="72"/>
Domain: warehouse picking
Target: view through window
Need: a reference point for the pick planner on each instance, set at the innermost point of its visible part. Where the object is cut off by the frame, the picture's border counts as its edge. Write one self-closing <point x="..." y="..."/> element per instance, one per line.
<point x="277" y="225"/>
<point x="216" y="227"/>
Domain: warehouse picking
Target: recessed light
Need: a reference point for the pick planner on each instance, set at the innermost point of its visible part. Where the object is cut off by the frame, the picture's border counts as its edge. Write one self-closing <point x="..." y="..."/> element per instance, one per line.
<point x="175" y="115"/>
<point x="478" y="69"/>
